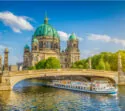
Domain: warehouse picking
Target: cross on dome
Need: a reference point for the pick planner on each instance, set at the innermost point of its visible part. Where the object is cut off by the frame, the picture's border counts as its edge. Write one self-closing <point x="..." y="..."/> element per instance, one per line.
<point x="46" y="18"/>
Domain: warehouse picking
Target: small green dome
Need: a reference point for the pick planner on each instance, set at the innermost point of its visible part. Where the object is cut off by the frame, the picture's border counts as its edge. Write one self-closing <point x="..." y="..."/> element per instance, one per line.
<point x="35" y="40"/>
<point x="72" y="37"/>
<point x="27" y="47"/>
<point x="46" y="30"/>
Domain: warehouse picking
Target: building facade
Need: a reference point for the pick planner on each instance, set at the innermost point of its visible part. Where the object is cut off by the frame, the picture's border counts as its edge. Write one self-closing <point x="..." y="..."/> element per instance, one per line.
<point x="46" y="43"/>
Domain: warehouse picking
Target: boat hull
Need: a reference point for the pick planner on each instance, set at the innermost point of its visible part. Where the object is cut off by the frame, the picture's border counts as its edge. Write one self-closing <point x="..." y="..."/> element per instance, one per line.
<point x="86" y="91"/>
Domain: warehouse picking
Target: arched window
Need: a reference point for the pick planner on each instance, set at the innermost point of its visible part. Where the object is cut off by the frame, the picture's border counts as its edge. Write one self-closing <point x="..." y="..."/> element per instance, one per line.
<point x="40" y="44"/>
<point x="74" y="45"/>
<point x="26" y="61"/>
<point x="54" y="45"/>
<point x="35" y="47"/>
<point x="65" y="60"/>
<point x="49" y="44"/>
<point x="57" y="45"/>
<point x="46" y="44"/>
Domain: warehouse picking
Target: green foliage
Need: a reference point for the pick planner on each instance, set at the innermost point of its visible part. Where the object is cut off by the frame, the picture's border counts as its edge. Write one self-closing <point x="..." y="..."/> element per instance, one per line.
<point x="32" y="68"/>
<point x="103" y="61"/>
<point x="101" y="65"/>
<point x="86" y="65"/>
<point x="50" y="63"/>
<point x="78" y="64"/>
<point x="107" y="66"/>
<point x="41" y="64"/>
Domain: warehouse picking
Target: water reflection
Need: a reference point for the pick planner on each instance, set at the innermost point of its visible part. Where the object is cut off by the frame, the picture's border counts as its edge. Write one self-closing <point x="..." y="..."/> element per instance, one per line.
<point x="30" y="95"/>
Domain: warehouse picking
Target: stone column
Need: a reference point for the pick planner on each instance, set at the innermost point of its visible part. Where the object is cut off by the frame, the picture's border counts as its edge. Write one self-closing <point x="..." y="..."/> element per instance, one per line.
<point x="121" y="76"/>
<point x="0" y="63"/>
<point x="119" y="63"/>
<point x="6" y="67"/>
<point x="90" y="64"/>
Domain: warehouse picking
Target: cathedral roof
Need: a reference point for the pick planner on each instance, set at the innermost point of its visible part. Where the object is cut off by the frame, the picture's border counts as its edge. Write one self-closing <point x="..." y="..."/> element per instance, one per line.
<point x="27" y="47"/>
<point x="72" y="37"/>
<point x="46" y="30"/>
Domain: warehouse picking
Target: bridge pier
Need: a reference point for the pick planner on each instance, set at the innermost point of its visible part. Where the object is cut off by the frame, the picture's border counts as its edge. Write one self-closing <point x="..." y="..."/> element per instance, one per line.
<point x="121" y="74"/>
<point x="5" y="83"/>
<point x="121" y="79"/>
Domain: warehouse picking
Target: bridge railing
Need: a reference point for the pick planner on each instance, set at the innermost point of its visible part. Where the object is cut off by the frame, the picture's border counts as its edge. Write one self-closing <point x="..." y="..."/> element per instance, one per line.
<point x="62" y="70"/>
<point x="65" y="70"/>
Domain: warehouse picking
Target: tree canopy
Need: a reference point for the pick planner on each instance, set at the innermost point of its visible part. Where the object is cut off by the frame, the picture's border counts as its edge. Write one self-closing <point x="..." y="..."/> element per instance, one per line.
<point x="50" y="63"/>
<point x="103" y="61"/>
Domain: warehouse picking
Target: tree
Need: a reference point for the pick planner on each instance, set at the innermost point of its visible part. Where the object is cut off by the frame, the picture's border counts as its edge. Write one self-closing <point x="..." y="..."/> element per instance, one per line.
<point x="80" y="66"/>
<point x="86" y="65"/>
<point x="107" y="66"/>
<point x="41" y="64"/>
<point x="52" y="63"/>
<point x="101" y="65"/>
<point x="74" y="66"/>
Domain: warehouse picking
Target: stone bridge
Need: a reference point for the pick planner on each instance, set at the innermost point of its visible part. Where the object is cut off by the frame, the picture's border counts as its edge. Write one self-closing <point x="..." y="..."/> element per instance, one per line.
<point x="9" y="79"/>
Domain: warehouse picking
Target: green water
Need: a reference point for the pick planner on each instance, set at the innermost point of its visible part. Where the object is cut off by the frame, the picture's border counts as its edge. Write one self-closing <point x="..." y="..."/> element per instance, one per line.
<point x="30" y="95"/>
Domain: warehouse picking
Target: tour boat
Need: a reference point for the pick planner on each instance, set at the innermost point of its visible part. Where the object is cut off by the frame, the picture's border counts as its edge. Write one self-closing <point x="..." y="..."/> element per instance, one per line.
<point x="94" y="87"/>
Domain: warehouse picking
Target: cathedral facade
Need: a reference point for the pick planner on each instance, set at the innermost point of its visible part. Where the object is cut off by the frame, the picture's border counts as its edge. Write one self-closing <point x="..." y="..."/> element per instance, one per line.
<point x="46" y="43"/>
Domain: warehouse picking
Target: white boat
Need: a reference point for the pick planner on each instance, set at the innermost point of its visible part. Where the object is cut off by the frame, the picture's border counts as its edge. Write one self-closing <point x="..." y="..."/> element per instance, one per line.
<point x="99" y="88"/>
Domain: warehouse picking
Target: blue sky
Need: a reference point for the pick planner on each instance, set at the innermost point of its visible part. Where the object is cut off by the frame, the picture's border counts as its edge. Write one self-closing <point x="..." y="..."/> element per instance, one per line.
<point x="100" y="26"/>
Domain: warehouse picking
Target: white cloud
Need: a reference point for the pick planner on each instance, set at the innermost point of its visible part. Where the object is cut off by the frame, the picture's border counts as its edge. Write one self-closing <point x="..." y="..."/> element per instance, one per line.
<point x="80" y="38"/>
<point x="16" y="23"/>
<point x="106" y="38"/>
<point x="64" y="36"/>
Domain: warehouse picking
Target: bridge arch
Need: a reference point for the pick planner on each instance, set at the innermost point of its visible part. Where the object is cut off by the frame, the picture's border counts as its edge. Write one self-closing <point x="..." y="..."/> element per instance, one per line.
<point x="15" y="77"/>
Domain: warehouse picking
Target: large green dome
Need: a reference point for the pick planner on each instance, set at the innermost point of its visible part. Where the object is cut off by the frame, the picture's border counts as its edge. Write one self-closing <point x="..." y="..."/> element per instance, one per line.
<point x="46" y="30"/>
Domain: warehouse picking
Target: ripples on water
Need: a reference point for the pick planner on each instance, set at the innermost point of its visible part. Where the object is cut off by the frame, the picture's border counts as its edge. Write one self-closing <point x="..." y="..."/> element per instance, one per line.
<point x="29" y="95"/>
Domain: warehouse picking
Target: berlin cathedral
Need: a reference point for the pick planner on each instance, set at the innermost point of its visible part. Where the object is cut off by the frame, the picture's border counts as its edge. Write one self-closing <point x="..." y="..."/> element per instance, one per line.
<point x="46" y="43"/>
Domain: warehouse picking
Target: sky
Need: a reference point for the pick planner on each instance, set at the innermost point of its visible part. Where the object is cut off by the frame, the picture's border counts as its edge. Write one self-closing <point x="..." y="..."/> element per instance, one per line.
<point x="100" y="26"/>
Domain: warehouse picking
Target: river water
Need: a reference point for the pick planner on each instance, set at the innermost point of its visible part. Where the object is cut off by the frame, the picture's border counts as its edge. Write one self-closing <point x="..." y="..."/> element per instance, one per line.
<point x="30" y="95"/>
